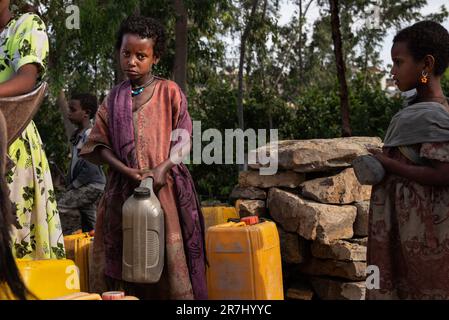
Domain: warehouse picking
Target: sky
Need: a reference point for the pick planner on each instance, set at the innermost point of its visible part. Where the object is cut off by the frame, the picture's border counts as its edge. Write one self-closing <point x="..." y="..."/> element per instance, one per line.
<point x="288" y="9"/>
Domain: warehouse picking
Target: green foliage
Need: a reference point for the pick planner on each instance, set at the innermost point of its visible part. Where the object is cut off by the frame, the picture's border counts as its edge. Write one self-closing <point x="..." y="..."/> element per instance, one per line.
<point x="51" y="129"/>
<point x="371" y="110"/>
<point x="214" y="107"/>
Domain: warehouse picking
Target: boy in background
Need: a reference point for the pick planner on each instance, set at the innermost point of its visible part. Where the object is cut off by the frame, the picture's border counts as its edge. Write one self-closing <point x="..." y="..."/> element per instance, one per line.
<point x="85" y="180"/>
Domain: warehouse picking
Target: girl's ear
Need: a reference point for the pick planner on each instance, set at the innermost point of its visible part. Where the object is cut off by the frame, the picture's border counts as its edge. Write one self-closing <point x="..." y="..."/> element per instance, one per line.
<point x="156" y="60"/>
<point x="429" y="63"/>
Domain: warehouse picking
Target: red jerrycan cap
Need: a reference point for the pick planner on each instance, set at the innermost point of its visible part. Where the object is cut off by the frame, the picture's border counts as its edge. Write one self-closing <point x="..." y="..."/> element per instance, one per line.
<point x="113" y="295"/>
<point x="250" y="220"/>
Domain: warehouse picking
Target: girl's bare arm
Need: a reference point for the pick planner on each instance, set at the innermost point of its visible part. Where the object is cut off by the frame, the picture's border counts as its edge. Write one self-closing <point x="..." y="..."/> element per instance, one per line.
<point x="435" y="175"/>
<point x="107" y="156"/>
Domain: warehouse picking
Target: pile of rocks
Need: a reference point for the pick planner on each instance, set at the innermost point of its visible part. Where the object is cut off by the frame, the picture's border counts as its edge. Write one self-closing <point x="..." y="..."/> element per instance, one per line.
<point x="321" y="211"/>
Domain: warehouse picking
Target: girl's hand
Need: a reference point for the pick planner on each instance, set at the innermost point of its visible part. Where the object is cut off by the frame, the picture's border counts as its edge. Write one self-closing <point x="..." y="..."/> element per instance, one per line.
<point x="374" y="151"/>
<point x="159" y="175"/>
<point x="379" y="155"/>
<point x="136" y="174"/>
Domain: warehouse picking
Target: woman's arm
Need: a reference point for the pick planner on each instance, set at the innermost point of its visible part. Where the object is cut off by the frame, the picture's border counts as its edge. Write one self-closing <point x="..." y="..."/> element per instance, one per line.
<point x="22" y="82"/>
<point x="437" y="175"/>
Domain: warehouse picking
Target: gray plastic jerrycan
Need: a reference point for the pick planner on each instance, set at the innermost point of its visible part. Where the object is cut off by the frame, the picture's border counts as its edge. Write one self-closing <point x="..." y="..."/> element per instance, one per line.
<point x="143" y="236"/>
<point x="368" y="170"/>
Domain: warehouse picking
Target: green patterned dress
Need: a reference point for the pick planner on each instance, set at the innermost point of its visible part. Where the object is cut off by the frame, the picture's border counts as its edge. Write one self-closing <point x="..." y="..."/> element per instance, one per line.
<point x="37" y="233"/>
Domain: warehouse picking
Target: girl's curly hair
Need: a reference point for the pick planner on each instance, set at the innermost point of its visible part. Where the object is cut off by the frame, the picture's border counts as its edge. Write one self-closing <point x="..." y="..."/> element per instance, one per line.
<point x="144" y="27"/>
<point x="427" y="37"/>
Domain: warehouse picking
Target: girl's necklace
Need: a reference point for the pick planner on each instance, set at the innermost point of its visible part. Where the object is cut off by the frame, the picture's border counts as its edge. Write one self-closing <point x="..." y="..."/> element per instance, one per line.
<point x="139" y="90"/>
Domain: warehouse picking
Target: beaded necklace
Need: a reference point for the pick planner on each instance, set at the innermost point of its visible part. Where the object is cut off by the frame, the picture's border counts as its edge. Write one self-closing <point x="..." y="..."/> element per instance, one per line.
<point x="139" y="90"/>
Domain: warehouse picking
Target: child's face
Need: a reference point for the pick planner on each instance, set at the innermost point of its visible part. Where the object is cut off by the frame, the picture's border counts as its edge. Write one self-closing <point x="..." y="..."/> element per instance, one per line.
<point x="406" y="71"/>
<point x="137" y="56"/>
<point x="77" y="114"/>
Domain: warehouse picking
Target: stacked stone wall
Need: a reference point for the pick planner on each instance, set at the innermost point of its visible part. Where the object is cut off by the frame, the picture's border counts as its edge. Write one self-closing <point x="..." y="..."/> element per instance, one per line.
<point x="321" y="212"/>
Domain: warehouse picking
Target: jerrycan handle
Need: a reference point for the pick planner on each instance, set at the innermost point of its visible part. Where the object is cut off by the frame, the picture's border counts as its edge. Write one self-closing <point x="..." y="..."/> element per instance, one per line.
<point x="145" y="189"/>
<point x="147" y="183"/>
<point x="231" y="224"/>
<point x="239" y="224"/>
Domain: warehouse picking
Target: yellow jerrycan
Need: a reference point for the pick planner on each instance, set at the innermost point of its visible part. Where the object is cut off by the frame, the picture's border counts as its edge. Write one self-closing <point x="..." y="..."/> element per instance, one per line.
<point x="46" y="279"/>
<point x="218" y="215"/>
<point x="244" y="261"/>
<point x="77" y="249"/>
<point x="143" y="236"/>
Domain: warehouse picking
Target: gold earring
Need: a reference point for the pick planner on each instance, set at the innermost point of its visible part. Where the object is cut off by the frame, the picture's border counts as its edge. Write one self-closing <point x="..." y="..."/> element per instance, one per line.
<point x="424" y="77"/>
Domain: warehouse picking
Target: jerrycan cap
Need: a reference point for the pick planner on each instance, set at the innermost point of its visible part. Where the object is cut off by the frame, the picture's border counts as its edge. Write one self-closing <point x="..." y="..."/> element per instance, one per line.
<point x="113" y="295"/>
<point x="250" y="220"/>
<point x="142" y="192"/>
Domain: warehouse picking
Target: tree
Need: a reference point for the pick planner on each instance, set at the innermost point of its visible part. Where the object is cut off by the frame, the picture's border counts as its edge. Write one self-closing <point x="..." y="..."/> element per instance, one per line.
<point x="302" y="13"/>
<point x="243" y="40"/>
<point x="341" y="67"/>
<point x="180" y="67"/>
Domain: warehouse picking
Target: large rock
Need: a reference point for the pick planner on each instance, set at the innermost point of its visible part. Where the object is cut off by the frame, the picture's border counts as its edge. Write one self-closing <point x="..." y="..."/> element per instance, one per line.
<point x="342" y="188"/>
<point x="286" y="179"/>
<point x="293" y="248"/>
<point x="317" y="154"/>
<point x="299" y="291"/>
<point x="339" y="250"/>
<point x="351" y="270"/>
<point x="311" y="220"/>
<point x="251" y="208"/>
<point x="361" y="221"/>
<point x="327" y="289"/>
<point x="251" y="193"/>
